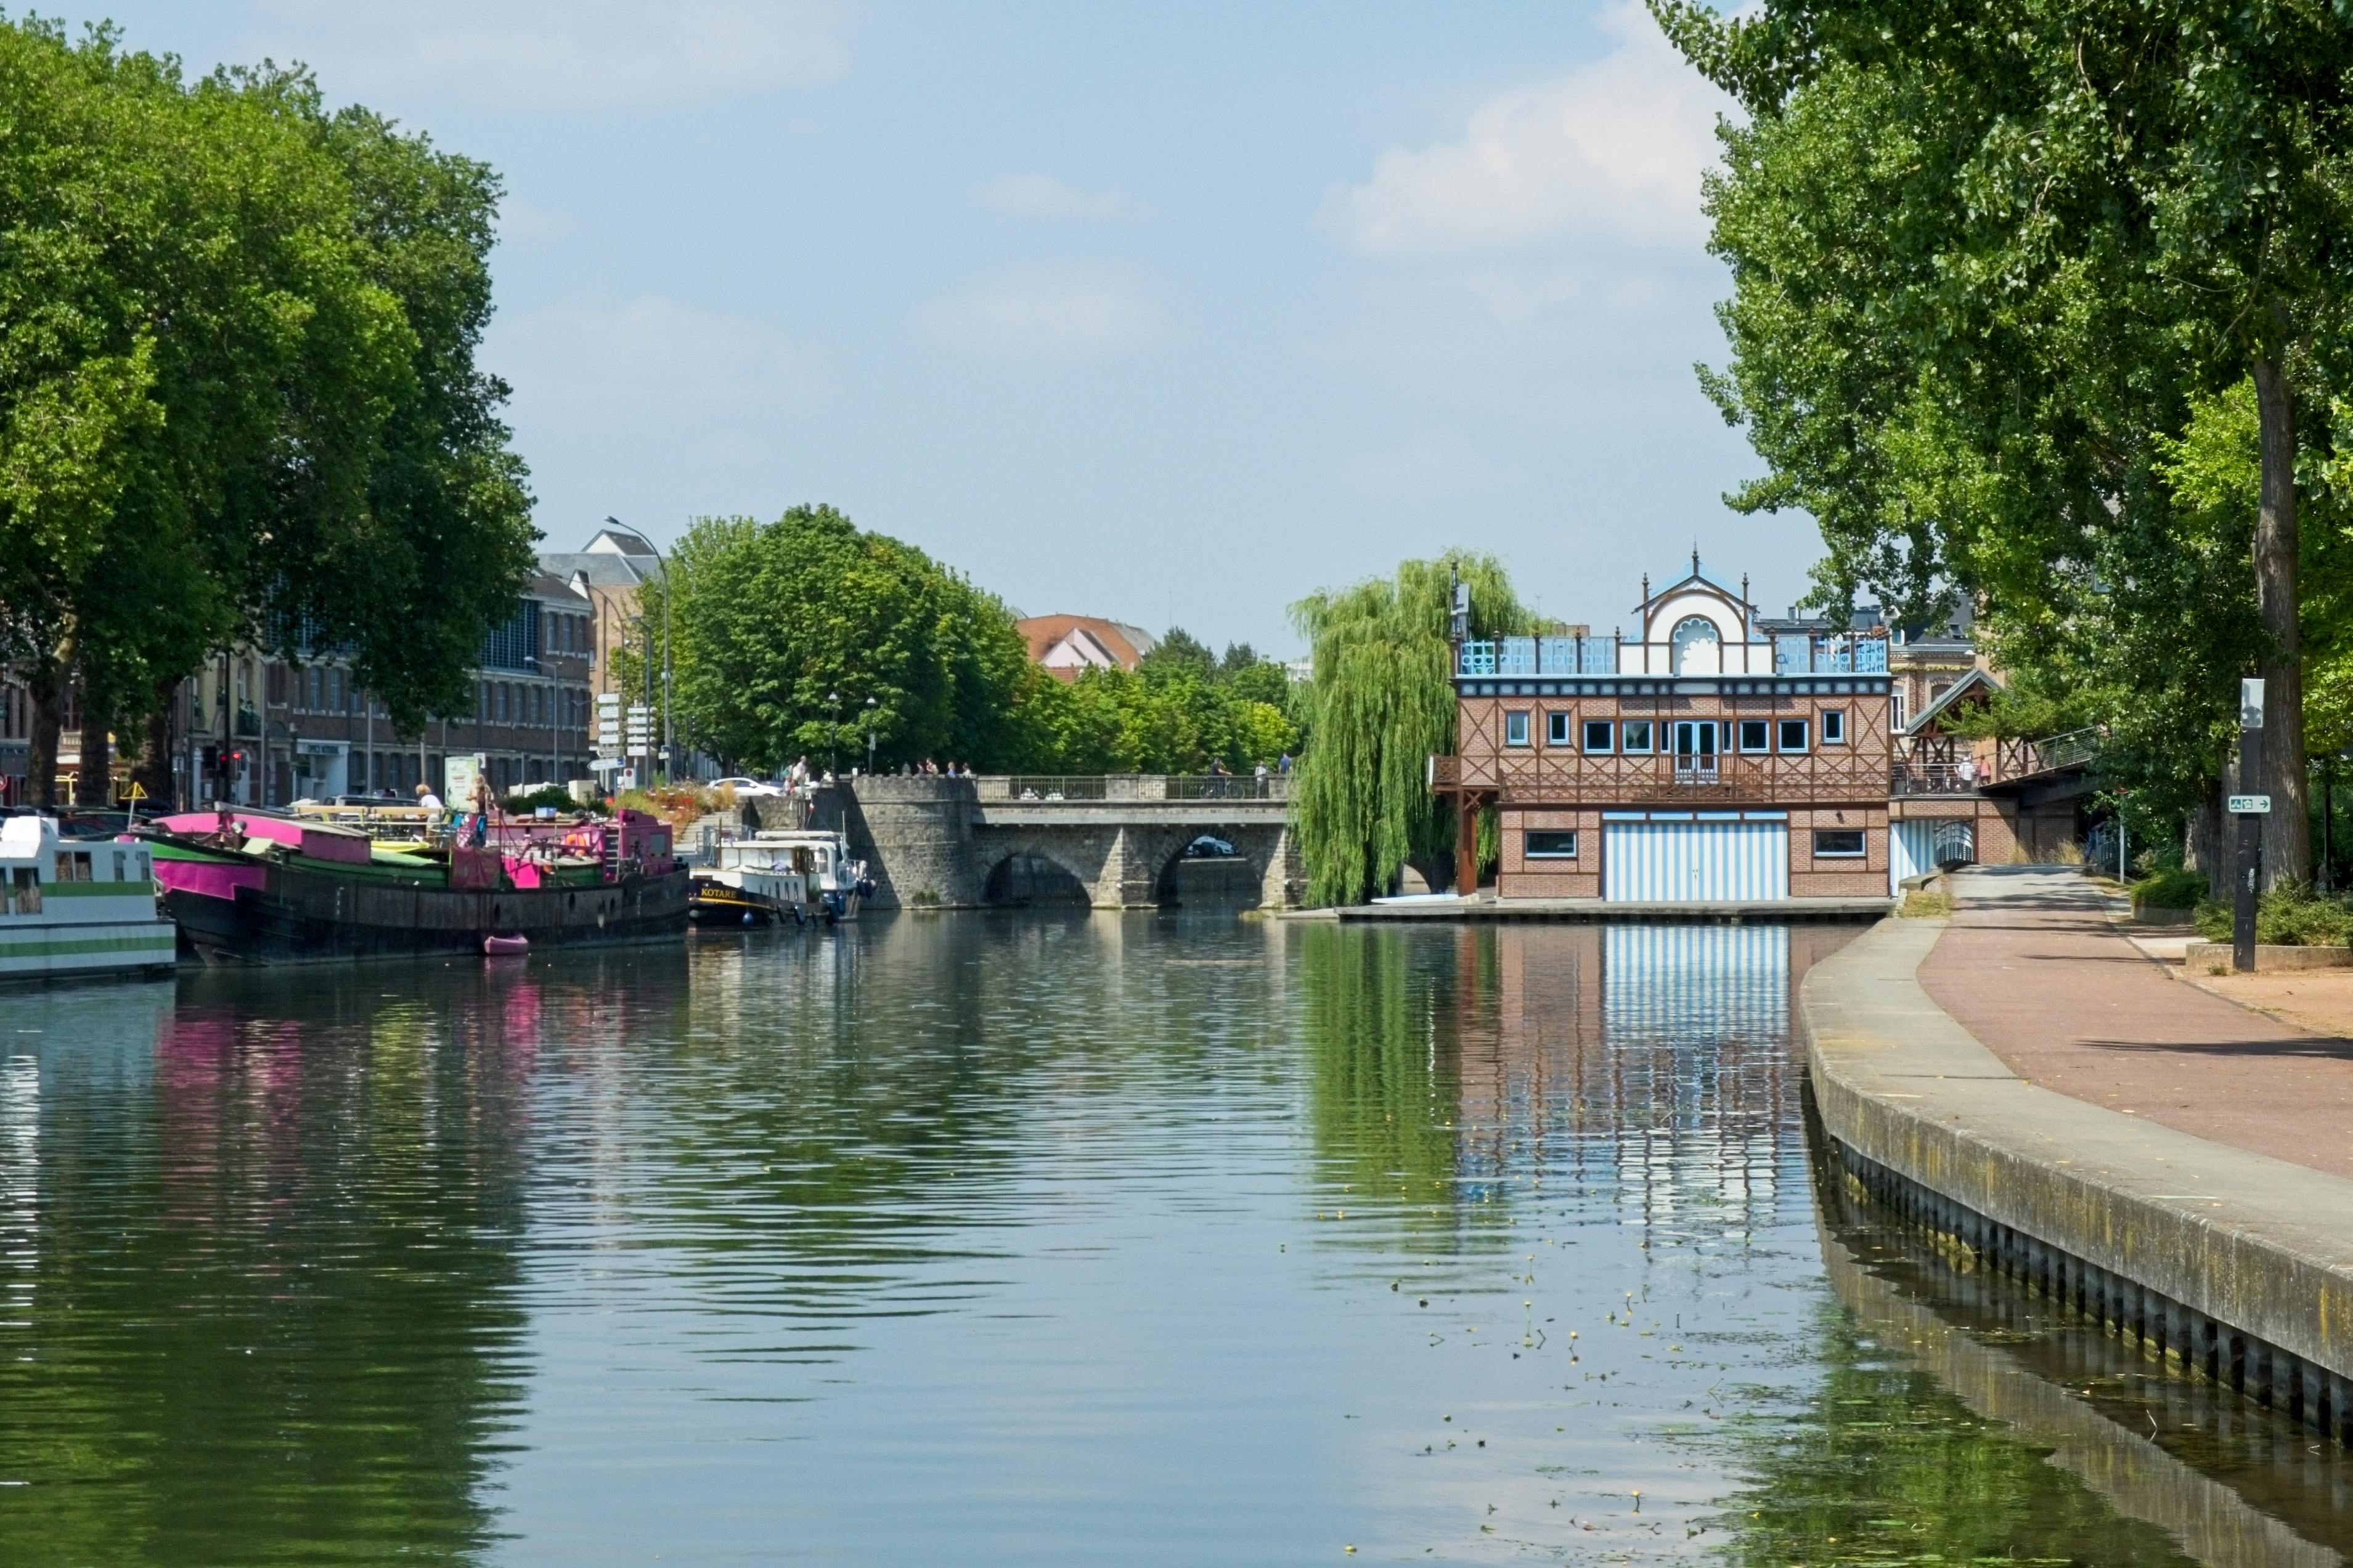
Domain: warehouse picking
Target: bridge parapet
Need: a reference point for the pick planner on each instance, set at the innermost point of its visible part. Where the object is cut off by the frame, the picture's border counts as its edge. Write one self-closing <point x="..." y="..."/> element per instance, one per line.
<point x="933" y="840"/>
<point x="1131" y="786"/>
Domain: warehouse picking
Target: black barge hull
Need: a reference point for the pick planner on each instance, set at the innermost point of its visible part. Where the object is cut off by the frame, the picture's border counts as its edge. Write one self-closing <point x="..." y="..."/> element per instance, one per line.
<point x="306" y="916"/>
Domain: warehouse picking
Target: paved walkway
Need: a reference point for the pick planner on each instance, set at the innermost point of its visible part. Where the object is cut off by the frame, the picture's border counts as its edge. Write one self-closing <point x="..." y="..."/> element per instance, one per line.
<point x="2031" y="966"/>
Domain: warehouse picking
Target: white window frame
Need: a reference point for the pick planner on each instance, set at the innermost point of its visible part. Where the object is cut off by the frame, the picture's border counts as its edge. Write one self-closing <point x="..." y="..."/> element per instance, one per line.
<point x="1740" y="732"/>
<point x="1516" y="717"/>
<point x="1781" y="737"/>
<point x="1529" y="835"/>
<point x="1609" y="737"/>
<point x="1559" y="723"/>
<point x="1862" y="838"/>
<point x="1833" y="719"/>
<point x="1625" y="740"/>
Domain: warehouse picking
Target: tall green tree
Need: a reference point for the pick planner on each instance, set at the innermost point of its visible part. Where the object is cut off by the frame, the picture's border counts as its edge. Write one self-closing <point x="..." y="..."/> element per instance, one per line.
<point x="1987" y="256"/>
<point x="238" y="393"/>
<point x="1380" y="703"/>
<point x="781" y="632"/>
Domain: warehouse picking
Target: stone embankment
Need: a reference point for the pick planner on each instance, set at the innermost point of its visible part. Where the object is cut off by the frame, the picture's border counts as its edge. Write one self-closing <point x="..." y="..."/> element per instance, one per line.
<point x="2217" y="1237"/>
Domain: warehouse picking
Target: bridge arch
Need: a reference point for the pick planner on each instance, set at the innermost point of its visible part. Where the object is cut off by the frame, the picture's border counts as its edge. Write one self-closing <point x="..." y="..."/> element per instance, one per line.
<point x="1025" y="875"/>
<point x="1261" y="848"/>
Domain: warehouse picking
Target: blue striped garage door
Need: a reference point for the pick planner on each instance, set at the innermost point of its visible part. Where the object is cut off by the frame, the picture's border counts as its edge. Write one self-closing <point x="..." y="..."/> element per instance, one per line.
<point x="1654" y="860"/>
<point x="1911" y="851"/>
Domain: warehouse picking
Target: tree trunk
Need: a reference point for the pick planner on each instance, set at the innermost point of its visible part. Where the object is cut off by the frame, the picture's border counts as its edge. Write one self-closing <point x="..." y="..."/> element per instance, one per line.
<point x="2287" y="831"/>
<point x="2204" y="850"/>
<point x="46" y="684"/>
<point x="154" y="773"/>
<point x="94" y="778"/>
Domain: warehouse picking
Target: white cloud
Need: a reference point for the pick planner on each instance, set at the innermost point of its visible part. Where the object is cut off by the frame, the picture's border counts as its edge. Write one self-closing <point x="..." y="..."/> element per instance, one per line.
<point x="1611" y="152"/>
<point x="569" y="56"/>
<point x="1042" y="195"/>
<point x="1049" y="313"/>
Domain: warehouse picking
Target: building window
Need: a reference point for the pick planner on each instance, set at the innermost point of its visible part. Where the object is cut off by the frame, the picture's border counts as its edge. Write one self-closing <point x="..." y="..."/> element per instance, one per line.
<point x="1634" y="737"/>
<point x="1833" y="726"/>
<point x="1793" y="735"/>
<point x="1597" y="736"/>
<point x="1896" y="707"/>
<point x="1755" y="735"/>
<point x="1542" y="846"/>
<point x="1515" y="727"/>
<point x="1556" y="728"/>
<point x="1838" y="843"/>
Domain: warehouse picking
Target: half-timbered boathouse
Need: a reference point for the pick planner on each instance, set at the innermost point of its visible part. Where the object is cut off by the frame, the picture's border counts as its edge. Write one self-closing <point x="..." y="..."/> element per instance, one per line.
<point x="1711" y="756"/>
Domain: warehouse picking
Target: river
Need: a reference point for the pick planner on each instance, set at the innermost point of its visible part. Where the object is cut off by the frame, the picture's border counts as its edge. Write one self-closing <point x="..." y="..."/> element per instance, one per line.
<point x="1034" y="1238"/>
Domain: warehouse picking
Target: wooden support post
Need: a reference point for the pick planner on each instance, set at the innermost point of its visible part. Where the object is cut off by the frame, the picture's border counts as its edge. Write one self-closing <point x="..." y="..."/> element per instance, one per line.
<point x="1466" y="845"/>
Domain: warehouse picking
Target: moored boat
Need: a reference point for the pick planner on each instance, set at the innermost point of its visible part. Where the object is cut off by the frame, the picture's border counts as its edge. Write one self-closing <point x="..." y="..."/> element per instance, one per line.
<point x="781" y="874"/>
<point x="76" y="907"/>
<point x="256" y="886"/>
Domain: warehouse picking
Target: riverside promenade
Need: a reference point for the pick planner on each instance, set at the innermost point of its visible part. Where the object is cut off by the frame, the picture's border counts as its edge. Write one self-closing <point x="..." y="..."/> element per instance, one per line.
<point x="2023" y="1081"/>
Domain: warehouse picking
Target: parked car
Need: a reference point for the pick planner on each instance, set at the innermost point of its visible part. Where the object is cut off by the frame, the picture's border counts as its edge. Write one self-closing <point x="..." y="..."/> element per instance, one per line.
<point x="747" y="789"/>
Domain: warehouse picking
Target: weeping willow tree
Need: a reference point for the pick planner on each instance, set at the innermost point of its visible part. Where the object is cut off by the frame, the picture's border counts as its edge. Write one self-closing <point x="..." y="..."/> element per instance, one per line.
<point x="1382" y="702"/>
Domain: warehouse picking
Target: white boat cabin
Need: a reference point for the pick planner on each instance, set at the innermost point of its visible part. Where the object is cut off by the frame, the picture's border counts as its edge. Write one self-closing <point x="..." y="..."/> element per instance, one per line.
<point x="76" y="906"/>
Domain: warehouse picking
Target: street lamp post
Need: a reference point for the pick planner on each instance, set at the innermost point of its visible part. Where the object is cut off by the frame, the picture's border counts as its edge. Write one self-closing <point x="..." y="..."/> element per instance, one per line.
<point x="833" y="756"/>
<point x="870" y="706"/>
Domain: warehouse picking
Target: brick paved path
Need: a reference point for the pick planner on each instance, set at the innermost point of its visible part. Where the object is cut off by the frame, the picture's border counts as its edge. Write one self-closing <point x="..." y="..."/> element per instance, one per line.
<point x="2031" y="967"/>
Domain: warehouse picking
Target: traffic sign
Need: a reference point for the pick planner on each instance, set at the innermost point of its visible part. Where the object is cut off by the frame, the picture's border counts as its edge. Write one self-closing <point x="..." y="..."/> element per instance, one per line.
<point x="2250" y="806"/>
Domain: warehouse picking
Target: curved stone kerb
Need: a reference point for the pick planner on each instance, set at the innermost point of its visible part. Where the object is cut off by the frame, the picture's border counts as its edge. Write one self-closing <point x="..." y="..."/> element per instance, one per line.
<point x="2257" y="1243"/>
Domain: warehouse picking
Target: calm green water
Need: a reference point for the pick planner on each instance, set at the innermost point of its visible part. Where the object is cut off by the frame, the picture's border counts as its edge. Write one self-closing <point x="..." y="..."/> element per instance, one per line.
<point x="1080" y="1239"/>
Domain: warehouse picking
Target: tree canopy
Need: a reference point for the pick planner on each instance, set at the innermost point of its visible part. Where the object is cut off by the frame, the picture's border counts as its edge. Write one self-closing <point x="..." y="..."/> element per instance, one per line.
<point x="779" y="630"/>
<point x="1380" y="703"/>
<point x="237" y="394"/>
<point x="1989" y="259"/>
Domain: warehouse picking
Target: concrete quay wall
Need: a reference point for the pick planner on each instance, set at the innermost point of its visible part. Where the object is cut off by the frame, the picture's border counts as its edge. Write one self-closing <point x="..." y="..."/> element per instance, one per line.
<point x="2228" y="1264"/>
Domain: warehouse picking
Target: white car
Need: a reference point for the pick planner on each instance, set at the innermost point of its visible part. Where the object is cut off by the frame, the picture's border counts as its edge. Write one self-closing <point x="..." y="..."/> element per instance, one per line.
<point x="747" y="789"/>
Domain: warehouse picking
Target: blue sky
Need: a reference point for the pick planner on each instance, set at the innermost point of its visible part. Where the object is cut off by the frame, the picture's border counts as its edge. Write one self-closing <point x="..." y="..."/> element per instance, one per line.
<point x="1162" y="312"/>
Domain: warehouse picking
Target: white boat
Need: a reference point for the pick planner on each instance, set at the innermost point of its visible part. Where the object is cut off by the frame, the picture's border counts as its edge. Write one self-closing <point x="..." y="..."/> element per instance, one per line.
<point x="78" y="906"/>
<point x="796" y="875"/>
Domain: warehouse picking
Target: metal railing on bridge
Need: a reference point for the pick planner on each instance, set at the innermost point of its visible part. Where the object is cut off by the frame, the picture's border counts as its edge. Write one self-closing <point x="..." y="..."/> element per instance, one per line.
<point x="1115" y="787"/>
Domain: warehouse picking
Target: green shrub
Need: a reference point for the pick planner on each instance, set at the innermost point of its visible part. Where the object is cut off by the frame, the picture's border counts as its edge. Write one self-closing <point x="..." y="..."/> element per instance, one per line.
<point x="2173" y="889"/>
<point x="2286" y="917"/>
<point x="524" y="802"/>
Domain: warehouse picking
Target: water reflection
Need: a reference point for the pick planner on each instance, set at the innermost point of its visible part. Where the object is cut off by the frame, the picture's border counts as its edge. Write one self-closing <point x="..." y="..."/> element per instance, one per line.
<point x="1020" y="1237"/>
<point x="267" y="1310"/>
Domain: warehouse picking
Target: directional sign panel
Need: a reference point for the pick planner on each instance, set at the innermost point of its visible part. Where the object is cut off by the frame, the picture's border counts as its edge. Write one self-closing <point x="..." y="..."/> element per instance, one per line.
<point x="2250" y="806"/>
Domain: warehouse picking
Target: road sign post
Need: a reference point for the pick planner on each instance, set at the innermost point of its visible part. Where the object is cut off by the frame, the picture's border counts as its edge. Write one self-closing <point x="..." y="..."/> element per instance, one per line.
<point x="2245" y="806"/>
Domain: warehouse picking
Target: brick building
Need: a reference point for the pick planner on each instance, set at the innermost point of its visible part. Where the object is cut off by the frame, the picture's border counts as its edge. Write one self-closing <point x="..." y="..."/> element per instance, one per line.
<point x="277" y="732"/>
<point x="1718" y="753"/>
<point x="1703" y="757"/>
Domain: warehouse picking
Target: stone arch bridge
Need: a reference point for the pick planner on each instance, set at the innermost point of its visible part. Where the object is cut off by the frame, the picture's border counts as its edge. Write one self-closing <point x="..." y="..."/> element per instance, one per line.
<point x="935" y="842"/>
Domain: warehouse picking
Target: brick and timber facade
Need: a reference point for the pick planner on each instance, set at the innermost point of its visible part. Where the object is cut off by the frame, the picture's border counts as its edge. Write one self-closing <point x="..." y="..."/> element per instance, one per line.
<point x="1700" y="759"/>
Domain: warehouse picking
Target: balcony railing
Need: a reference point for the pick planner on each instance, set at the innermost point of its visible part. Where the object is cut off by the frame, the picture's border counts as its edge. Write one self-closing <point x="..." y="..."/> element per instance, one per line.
<point x="1793" y="654"/>
<point x="1948" y="764"/>
<point x="1798" y="653"/>
<point x="1561" y="778"/>
<point x="1539" y="656"/>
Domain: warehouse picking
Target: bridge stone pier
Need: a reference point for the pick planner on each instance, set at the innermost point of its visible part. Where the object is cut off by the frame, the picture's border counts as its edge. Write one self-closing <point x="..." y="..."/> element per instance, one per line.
<point x="937" y="842"/>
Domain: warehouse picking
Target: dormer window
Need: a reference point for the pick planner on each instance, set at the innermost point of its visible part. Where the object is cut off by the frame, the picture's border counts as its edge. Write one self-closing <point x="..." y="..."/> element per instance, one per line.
<point x="1697" y="648"/>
